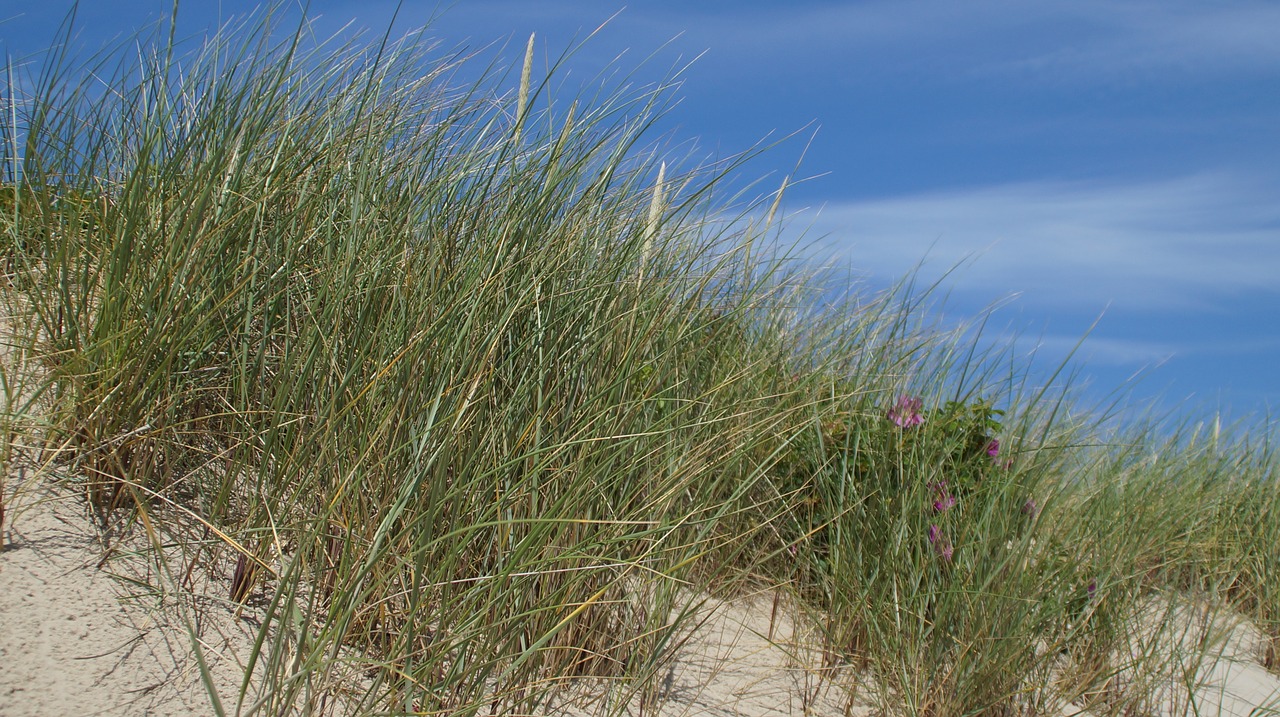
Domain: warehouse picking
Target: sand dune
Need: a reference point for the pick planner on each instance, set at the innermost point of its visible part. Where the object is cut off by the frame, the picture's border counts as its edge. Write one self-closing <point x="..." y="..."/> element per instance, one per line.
<point x="78" y="640"/>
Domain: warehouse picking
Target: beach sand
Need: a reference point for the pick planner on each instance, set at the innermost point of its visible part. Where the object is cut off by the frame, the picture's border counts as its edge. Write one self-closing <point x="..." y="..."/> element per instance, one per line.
<point x="77" y="639"/>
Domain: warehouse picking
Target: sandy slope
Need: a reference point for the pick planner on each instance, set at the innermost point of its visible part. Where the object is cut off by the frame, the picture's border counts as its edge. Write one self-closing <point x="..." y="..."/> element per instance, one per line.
<point x="745" y="658"/>
<point x="73" y="642"/>
<point x="1178" y="633"/>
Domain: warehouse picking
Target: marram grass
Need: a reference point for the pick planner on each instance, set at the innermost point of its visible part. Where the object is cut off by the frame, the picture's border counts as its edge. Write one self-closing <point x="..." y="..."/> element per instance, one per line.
<point x="471" y="394"/>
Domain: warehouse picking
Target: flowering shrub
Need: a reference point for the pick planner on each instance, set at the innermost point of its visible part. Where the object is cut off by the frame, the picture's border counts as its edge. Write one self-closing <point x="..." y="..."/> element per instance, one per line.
<point x="872" y="460"/>
<point x="970" y="446"/>
<point x="964" y="434"/>
<point x="899" y="493"/>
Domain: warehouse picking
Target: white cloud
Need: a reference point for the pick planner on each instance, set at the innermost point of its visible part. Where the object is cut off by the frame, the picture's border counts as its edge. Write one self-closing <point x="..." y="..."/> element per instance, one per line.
<point x="1184" y="243"/>
<point x="876" y="40"/>
<point x="1087" y="40"/>
<point x="1192" y="36"/>
<point x="1096" y="350"/>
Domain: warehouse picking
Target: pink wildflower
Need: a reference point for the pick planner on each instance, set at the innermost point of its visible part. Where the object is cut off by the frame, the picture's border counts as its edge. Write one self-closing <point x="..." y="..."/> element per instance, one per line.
<point x="945" y="500"/>
<point x="941" y="545"/>
<point x="945" y="550"/>
<point x="906" y="412"/>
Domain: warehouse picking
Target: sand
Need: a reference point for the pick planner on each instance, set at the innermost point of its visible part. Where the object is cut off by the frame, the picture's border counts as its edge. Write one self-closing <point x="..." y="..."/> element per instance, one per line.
<point x="76" y="639"/>
<point x="1178" y="633"/>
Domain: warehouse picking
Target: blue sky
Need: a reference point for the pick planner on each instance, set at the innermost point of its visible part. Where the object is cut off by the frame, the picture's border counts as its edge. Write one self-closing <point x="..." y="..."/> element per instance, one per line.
<point x="1083" y="159"/>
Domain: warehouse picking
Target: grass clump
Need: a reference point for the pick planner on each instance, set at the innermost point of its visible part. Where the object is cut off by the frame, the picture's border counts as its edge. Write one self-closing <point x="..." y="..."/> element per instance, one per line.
<point x="471" y="393"/>
<point x="457" y="382"/>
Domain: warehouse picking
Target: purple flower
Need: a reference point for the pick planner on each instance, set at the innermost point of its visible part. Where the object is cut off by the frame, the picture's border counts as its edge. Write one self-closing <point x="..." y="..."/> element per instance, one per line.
<point x="1092" y="589"/>
<point x="941" y="545"/>
<point x="944" y="549"/>
<point x="993" y="450"/>
<point x="945" y="500"/>
<point x="906" y="412"/>
<point x="1030" y="509"/>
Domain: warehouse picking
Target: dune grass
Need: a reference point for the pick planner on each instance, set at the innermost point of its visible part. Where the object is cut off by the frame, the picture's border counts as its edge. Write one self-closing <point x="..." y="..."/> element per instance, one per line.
<point x="473" y="392"/>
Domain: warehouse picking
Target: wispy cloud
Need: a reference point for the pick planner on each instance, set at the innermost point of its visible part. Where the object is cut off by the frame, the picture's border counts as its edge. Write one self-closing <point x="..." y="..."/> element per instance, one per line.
<point x="1096" y="350"/>
<point x="1087" y="40"/>
<point x="995" y="43"/>
<point x="1165" y="245"/>
<point x="1193" y="38"/>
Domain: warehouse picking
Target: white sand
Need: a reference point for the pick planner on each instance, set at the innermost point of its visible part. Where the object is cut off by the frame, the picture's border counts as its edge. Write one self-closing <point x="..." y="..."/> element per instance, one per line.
<point x="1174" y="637"/>
<point x="72" y="643"/>
<point x="746" y="659"/>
